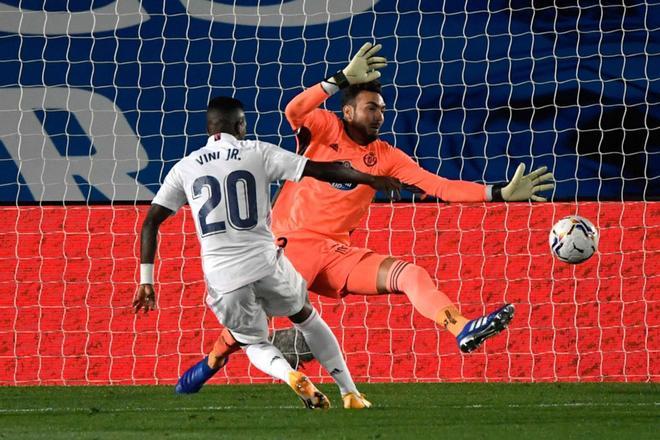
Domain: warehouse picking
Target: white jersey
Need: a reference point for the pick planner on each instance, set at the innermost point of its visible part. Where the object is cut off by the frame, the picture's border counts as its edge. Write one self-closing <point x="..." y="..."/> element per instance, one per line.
<point x="227" y="185"/>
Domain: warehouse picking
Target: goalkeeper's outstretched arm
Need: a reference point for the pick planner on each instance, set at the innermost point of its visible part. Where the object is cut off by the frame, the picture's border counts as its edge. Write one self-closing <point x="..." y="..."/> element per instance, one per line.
<point x="303" y="113"/>
<point x="363" y="67"/>
<point x="521" y="187"/>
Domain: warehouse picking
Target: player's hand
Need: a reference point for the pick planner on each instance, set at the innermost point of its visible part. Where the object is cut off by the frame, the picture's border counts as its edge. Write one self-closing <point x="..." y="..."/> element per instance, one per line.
<point x="526" y="187"/>
<point x="388" y="185"/>
<point x="364" y="65"/>
<point x="145" y="298"/>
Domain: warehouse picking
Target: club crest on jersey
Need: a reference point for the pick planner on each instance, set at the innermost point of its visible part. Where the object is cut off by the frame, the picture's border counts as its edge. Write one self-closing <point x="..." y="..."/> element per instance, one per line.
<point x="344" y="186"/>
<point x="370" y="159"/>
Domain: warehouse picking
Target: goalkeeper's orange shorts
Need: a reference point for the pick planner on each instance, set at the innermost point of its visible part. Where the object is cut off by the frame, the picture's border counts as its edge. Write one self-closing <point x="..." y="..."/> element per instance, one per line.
<point x="324" y="263"/>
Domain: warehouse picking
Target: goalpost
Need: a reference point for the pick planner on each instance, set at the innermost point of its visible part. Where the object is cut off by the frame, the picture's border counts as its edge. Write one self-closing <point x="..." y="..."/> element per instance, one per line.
<point x="98" y="100"/>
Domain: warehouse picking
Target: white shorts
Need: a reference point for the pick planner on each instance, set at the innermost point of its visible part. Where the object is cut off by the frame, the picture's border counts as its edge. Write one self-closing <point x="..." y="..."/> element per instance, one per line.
<point x="245" y="311"/>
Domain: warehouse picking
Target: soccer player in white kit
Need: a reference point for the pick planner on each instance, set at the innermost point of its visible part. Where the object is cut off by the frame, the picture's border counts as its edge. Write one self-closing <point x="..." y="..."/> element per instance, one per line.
<point x="227" y="185"/>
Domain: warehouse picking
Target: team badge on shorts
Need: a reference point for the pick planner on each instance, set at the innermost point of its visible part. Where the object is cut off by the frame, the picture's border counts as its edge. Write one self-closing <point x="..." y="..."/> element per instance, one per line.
<point x="370" y="159"/>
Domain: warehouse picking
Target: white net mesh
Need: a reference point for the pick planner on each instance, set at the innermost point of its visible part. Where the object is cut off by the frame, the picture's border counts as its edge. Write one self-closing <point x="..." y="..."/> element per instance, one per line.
<point x="100" y="98"/>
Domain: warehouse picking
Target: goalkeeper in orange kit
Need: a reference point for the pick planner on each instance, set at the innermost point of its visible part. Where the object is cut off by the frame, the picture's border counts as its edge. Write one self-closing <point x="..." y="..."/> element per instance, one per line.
<point x="316" y="218"/>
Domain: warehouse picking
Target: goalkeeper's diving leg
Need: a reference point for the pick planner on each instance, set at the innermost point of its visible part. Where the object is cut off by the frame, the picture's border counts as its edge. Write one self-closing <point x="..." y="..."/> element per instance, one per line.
<point x="377" y="274"/>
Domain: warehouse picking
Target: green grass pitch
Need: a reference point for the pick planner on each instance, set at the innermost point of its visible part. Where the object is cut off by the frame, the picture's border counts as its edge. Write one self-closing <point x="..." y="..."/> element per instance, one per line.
<point x="401" y="411"/>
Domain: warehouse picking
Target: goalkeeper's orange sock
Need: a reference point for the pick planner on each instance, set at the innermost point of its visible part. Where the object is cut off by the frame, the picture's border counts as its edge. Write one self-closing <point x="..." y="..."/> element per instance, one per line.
<point x="418" y="286"/>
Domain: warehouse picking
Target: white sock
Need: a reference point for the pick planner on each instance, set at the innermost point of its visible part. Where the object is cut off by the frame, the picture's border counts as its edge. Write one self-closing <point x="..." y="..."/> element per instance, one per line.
<point x="266" y="357"/>
<point x="326" y="350"/>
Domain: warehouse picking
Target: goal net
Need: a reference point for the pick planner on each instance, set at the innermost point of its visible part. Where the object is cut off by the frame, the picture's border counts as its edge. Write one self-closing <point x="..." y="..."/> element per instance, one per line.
<point x="100" y="98"/>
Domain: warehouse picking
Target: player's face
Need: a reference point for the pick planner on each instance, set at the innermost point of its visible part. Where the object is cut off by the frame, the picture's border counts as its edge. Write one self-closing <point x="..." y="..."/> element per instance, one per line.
<point x="367" y="115"/>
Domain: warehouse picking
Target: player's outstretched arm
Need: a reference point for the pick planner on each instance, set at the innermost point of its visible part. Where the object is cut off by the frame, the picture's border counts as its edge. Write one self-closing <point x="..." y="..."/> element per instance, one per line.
<point x="524" y="187"/>
<point x="340" y="173"/>
<point x="398" y="164"/>
<point x="145" y="297"/>
<point x="364" y="67"/>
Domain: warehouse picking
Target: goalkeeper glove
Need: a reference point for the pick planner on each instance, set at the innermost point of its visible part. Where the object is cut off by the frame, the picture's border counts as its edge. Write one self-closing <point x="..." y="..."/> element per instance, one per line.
<point x="362" y="68"/>
<point x="524" y="187"/>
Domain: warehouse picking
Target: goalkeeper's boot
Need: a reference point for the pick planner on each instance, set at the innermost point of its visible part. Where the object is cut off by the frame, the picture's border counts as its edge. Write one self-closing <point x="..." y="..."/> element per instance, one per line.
<point x="196" y="376"/>
<point x="312" y="398"/>
<point x="355" y="401"/>
<point x="478" y="330"/>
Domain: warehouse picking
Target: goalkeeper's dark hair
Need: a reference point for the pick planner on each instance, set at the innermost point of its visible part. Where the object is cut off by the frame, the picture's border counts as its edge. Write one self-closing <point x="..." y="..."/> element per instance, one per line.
<point x="222" y="115"/>
<point x="351" y="92"/>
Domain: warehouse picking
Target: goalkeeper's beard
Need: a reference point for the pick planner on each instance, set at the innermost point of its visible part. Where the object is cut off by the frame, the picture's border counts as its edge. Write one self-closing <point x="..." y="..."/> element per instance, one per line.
<point x="371" y="137"/>
<point x="361" y="133"/>
<point x="365" y="133"/>
<point x="371" y="133"/>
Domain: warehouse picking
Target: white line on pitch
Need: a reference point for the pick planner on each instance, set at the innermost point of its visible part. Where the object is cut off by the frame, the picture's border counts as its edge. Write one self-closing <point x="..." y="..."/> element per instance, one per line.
<point x="234" y="407"/>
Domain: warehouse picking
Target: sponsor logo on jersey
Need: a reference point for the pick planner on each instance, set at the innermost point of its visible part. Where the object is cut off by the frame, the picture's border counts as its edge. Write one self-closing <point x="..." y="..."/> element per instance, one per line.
<point x="344" y="186"/>
<point x="370" y="159"/>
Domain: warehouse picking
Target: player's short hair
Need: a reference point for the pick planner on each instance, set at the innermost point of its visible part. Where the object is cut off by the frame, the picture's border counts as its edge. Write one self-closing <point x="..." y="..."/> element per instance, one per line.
<point x="224" y="105"/>
<point x="351" y="92"/>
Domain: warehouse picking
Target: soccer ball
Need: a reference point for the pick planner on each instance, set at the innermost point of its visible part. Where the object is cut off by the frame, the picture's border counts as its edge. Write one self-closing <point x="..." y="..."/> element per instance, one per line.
<point x="573" y="239"/>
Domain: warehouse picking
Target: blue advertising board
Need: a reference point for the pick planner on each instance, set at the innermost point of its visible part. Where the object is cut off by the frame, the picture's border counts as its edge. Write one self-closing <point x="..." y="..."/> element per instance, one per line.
<point x="100" y="98"/>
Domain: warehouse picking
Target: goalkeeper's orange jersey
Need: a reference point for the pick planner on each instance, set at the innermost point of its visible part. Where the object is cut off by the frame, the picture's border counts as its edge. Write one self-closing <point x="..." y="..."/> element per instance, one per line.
<point x="334" y="210"/>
